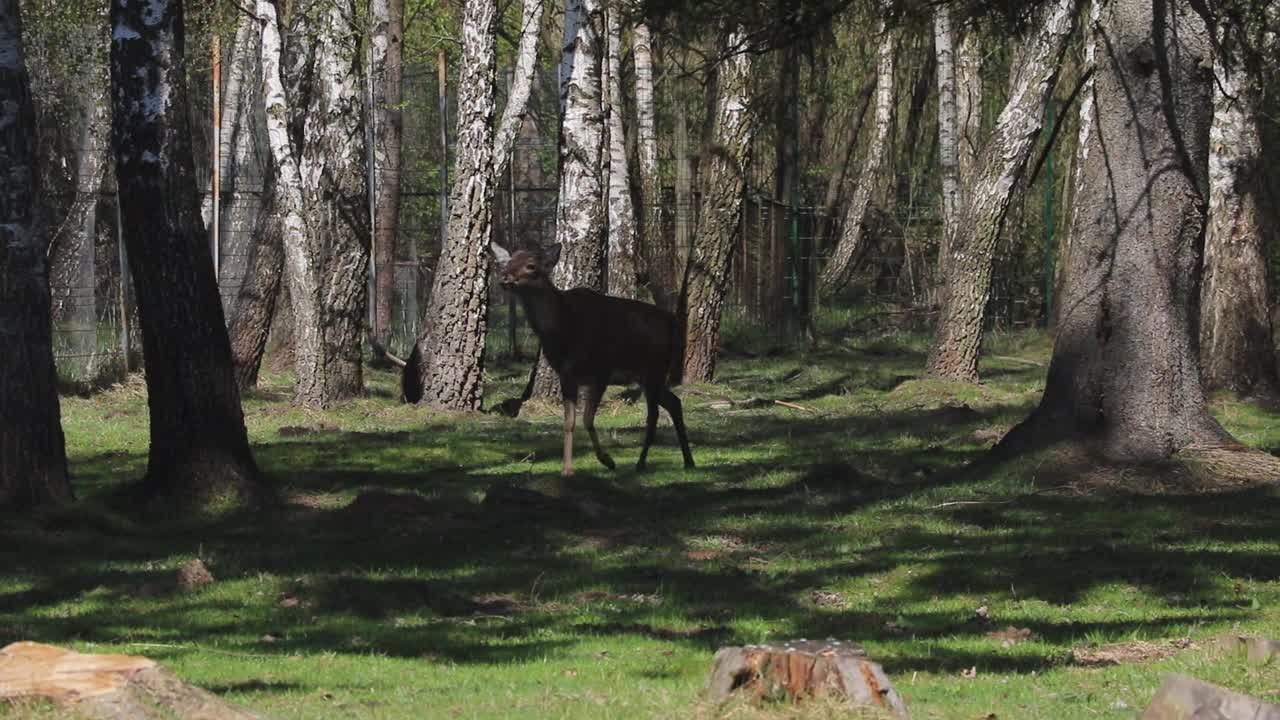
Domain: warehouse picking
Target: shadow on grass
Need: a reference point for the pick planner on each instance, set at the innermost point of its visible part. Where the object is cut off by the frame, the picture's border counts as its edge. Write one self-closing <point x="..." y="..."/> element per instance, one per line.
<point x="783" y="505"/>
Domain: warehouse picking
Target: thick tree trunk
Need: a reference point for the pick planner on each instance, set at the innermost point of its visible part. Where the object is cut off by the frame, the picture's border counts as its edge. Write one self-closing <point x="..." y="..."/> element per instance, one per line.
<point x="387" y="41"/>
<point x="580" y="213"/>
<point x="969" y="94"/>
<point x="199" y="449"/>
<point x="851" y="246"/>
<point x="258" y="297"/>
<point x="1124" y="374"/>
<point x="957" y="337"/>
<point x="623" y="273"/>
<point x="1237" y="352"/>
<point x="326" y="265"/>
<point x="948" y="150"/>
<point x="723" y="189"/>
<point x="660" y="261"/>
<point x="450" y="354"/>
<point x="33" y="458"/>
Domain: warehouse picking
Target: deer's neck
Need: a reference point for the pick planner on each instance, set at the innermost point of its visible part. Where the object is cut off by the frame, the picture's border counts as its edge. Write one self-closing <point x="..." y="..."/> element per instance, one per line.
<point x="544" y="309"/>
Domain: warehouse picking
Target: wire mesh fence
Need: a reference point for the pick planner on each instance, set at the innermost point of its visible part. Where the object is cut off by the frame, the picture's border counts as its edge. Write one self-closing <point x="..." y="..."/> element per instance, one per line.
<point x="778" y="254"/>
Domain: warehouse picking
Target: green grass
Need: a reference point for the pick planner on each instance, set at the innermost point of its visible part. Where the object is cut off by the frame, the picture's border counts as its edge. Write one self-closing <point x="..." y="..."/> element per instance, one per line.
<point x="850" y="519"/>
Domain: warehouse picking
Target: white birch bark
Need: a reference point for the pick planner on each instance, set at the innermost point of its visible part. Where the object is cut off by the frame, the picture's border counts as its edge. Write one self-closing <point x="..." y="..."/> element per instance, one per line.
<point x="622" y="256"/>
<point x="948" y="159"/>
<point x="517" y="107"/>
<point x="580" y="214"/>
<point x="850" y="247"/>
<point x="958" y="335"/>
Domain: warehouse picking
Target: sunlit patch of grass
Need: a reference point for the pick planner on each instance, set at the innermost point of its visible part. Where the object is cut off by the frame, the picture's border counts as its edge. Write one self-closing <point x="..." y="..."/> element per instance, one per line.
<point x="849" y="517"/>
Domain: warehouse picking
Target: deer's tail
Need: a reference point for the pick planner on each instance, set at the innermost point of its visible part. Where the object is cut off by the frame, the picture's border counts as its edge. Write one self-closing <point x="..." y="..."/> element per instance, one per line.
<point x="411" y="376"/>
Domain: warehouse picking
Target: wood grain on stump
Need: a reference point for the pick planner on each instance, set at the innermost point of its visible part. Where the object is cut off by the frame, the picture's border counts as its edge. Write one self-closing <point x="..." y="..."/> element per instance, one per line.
<point x="1186" y="698"/>
<point x="803" y="668"/>
<point x="105" y="687"/>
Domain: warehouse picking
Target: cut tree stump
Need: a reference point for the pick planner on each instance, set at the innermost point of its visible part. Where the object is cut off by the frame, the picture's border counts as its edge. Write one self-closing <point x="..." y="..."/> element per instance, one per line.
<point x="1259" y="651"/>
<point x="1186" y="698"/>
<point x="803" y="668"/>
<point x="105" y="687"/>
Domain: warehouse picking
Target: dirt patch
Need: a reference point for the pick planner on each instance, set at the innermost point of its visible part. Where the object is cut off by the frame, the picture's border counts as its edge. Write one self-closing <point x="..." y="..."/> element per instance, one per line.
<point x="1138" y="651"/>
<point x="1010" y="636"/>
<point x="192" y="576"/>
<point x="603" y="596"/>
<point x="703" y="555"/>
<point x="297" y="430"/>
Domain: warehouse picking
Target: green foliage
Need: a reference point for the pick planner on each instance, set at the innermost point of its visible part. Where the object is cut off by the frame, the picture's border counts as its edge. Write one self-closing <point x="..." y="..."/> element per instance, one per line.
<point x="850" y="518"/>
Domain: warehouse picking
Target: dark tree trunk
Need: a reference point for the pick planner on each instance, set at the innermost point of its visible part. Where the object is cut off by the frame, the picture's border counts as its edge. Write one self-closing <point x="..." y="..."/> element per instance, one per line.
<point x="1237" y="352"/>
<point x="722" y="193"/>
<point x="199" y="449"/>
<point x="388" y="124"/>
<point x="1124" y="375"/>
<point x="967" y="281"/>
<point x="450" y="354"/>
<point x="258" y="297"/>
<point x="33" y="458"/>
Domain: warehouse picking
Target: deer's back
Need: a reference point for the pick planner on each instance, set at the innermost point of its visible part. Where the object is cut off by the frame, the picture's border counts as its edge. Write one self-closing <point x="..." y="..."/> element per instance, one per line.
<point x="614" y="339"/>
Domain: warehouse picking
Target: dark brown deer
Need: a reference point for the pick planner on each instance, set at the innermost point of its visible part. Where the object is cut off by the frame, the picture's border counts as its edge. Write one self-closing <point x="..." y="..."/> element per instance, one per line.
<point x="593" y="340"/>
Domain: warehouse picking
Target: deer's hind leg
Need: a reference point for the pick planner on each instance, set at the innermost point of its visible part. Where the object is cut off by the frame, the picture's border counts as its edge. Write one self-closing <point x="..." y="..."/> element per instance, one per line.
<point x="651" y="394"/>
<point x="591" y="396"/>
<point x="671" y="403"/>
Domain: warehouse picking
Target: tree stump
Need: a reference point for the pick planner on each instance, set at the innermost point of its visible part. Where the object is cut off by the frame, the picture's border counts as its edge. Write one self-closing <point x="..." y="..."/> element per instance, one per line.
<point x="105" y="687"/>
<point x="1186" y="698"/>
<point x="803" y="668"/>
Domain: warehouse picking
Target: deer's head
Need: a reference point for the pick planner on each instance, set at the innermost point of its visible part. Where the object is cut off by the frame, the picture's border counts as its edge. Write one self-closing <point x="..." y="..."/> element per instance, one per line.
<point x="525" y="269"/>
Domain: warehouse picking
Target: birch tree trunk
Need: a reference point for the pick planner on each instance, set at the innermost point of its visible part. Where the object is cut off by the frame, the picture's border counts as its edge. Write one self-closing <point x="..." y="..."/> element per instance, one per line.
<point x="450" y="353"/>
<point x="623" y="271"/>
<point x="969" y="94"/>
<point x="661" y="265"/>
<point x="517" y="107"/>
<point x="259" y="294"/>
<point x="851" y="246"/>
<point x="33" y="458"/>
<point x="1237" y="351"/>
<point x="326" y="263"/>
<point x="948" y="152"/>
<point x="387" y="40"/>
<point x="967" y="283"/>
<point x="1124" y="377"/>
<point x="199" y="448"/>
<point x="723" y="189"/>
<point x="580" y="213"/>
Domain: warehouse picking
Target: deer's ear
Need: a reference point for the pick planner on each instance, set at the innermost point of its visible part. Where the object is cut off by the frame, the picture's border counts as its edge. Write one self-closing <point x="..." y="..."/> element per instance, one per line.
<point x="500" y="253"/>
<point x="551" y="256"/>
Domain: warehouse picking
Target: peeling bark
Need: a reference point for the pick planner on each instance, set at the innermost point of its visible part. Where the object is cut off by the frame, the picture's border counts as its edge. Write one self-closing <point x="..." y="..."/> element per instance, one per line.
<point x="199" y="448"/>
<point x="1124" y="377"/>
<point x="33" y="459"/>
<point x="852" y="243"/>
<point x="450" y="353"/>
<point x="967" y="282"/>
<point x="723" y="190"/>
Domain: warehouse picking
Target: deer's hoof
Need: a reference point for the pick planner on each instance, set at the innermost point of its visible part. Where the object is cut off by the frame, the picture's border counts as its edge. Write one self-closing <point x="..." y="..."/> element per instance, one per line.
<point x="567" y="472"/>
<point x="688" y="465"/>
<point x="607" y="461"/>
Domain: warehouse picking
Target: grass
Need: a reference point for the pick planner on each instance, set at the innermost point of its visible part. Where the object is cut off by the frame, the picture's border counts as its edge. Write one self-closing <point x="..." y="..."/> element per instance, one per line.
<point x="849" y="519"/>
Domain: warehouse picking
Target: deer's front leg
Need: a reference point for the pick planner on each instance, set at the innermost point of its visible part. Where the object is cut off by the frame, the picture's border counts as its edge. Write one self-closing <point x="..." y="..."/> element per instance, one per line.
<point x="570" y="395"/>
<point x="590" y="403"/>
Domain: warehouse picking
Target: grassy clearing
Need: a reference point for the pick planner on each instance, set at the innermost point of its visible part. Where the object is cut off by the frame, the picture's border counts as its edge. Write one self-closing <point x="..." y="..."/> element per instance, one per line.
<point x="847" y="519"/>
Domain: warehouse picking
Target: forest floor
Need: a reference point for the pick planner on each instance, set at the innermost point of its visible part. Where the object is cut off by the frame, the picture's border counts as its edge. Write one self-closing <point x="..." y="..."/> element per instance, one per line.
<point x="1037" y="589"/>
